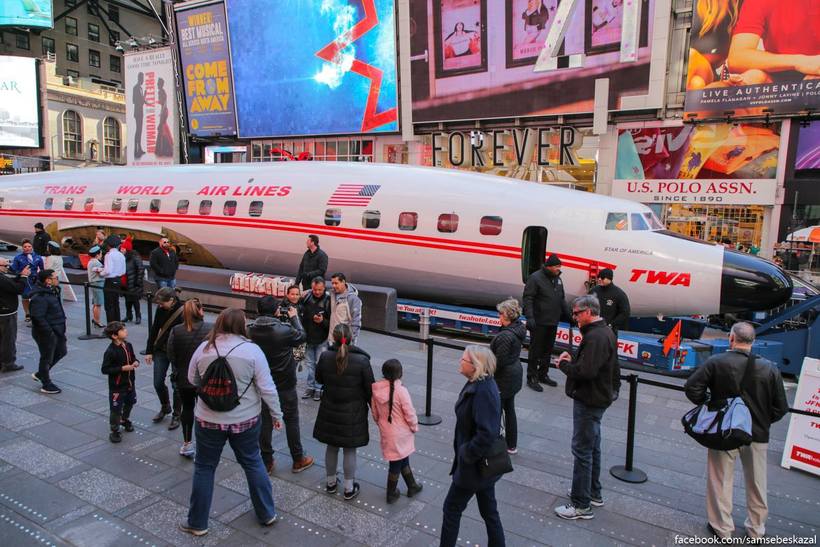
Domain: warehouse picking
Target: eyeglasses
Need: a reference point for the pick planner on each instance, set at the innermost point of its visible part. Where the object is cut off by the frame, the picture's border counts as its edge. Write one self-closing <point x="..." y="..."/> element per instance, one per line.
<point x="465" y="360"/>
<point x="578" y="312"/>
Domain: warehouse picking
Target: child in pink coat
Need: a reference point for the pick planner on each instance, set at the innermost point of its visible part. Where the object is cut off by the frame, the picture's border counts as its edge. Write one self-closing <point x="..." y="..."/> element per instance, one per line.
<point x="394" y="413"/>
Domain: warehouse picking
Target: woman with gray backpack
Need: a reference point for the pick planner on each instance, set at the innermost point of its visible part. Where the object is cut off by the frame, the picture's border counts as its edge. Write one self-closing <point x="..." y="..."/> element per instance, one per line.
<point x="233" y="378"/>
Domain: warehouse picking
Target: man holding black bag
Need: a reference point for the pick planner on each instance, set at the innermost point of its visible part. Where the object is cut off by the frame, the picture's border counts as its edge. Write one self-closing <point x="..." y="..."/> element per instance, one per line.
<point x="721" y="377"/>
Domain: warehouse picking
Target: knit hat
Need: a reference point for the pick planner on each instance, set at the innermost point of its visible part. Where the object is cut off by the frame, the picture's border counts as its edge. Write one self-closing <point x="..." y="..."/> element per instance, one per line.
<point x="39" y="225"/>
<point x="606" y="273"/>
<point x="553" y="260"/>
<point x="94" y="250"/>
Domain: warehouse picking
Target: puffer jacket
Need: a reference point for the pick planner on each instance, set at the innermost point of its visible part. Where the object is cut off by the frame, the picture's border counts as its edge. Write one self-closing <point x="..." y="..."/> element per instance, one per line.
<point x="134" y="272"/>
<point x="277" y="340"/>
<point x="342" y="417"/>
<point x="506" y="346"/>
<point x="46" y="310"/>
<point x="181" y="346"/>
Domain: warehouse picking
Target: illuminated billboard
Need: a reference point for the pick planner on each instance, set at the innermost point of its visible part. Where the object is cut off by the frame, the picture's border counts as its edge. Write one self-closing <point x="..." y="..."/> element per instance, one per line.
<point x="313" y="68"/>
<point x="19" y="103"/>
<point x="493" y="59"/>
<point x="753" y="57"/>
<point x="26" y="13"/>
<point x="808" y="147"/>
<point x="206" y="70"/>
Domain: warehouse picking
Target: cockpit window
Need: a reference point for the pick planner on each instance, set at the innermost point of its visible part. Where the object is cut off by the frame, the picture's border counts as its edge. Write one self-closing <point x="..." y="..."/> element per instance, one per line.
<point x="654" y="223"/>
<point x="617" y="221"/>
<point x="638" y="222"/>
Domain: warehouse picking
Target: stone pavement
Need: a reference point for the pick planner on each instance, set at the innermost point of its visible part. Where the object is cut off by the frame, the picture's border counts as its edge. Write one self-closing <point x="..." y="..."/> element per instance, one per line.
<point x="63" y="483"/>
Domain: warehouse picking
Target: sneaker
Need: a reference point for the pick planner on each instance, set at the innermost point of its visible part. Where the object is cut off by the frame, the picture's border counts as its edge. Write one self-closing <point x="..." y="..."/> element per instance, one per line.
<point x="570" y="512"/>
<point x="35" y="376"/>
<point x="317" y="394"/>
<point x="512" y="451"/>
<point x="159" y="416"/>
<point x="28" y="319"/>
<point x="115" y="436"/>
<point x="308" y="394"/>
<point x="187" y="449"/>
<point x="535" y="386"/>
<point x="50" y="388"/>
<point x="128" y="426"/>
<point x="174" y="423"/>
<point x="271" y="521"/>
<point x="353" y="493"/>
<point x="12" y="367"/>
<point x="301" y="464"/>
<point x="270" y="466"/>
<point x="332" y="488"/>
<point x="193" y="531"/>
<point x="593" y="501"/>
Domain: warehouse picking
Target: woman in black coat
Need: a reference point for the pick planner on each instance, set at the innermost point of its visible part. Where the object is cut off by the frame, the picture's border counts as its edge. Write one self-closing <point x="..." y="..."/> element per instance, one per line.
<point x="478" y="423"/>
<point x="134" y="275"/>
<point x="345" y="373"/>
<point x="506" y="346"/>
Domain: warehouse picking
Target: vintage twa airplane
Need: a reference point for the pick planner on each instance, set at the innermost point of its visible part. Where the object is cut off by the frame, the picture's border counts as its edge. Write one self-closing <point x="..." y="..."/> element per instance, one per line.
<point x="437" y="234"/>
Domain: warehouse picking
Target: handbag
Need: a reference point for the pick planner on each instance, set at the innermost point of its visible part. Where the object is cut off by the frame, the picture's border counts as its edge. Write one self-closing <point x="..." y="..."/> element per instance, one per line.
<point x="722" y="424"/>
<point x="497" y="461"/>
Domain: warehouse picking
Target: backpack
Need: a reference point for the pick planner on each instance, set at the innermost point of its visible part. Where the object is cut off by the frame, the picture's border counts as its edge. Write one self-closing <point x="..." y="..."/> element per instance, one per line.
<point x="218" y="385"/>
<point x="722" y="424"/>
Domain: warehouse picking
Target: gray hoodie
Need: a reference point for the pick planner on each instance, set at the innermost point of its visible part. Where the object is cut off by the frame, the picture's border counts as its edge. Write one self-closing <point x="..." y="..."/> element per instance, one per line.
<point x="345" y="308"/>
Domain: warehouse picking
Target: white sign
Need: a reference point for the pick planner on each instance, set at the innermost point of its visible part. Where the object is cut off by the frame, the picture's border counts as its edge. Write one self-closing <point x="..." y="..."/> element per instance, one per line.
<point x="706" y="191"/>
<point x="802" y="448"/>
<point x="151" y="108"/>
<point x="19" y="114"/>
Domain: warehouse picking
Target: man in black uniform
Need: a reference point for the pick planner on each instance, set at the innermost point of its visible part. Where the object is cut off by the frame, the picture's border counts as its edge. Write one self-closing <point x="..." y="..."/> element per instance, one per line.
<point x="314" y="263"/>
<point x="40" y="239"/>
<point x="544" y="306"/>
<point x="614" y="302"/>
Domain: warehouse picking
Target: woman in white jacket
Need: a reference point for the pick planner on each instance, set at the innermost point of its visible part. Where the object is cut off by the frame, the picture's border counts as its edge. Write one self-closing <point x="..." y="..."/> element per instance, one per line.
<point x="239" y="427"/>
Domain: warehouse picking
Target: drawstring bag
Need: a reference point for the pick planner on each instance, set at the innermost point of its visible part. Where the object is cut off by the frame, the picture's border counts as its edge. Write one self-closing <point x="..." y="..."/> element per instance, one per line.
<point x="218" y="386"/>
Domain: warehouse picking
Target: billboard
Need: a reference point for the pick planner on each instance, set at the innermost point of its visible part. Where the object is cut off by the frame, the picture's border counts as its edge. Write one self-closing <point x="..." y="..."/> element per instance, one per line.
<point x="313" y="68"/>
<point x="206" y="69"/>
<point x="486" y="59"/>
<point x="808" y="147"/>
<point x="26" y="13"/>
<point x="19" y="103"/>
<point x="151" y="108"/>
<point x="706" y="163"/>
<point x="751" y="57"/>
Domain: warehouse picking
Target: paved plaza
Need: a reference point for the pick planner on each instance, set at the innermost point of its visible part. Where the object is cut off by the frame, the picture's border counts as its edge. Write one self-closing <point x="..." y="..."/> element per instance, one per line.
<point x="63" y="483"/>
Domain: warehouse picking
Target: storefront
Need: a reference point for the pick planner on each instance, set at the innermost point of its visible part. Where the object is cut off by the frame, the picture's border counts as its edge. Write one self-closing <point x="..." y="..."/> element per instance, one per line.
<point x="387" y="149"/>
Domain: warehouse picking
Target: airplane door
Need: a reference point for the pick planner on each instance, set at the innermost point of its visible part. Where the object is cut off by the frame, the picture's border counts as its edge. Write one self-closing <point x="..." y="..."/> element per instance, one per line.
<point x="533" y="250"/>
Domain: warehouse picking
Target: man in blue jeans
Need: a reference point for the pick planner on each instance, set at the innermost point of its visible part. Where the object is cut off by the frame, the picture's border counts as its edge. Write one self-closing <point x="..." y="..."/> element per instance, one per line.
<point x="164" y="264"/>
<point x="315" y="318"/>
<point x="593" y="381"/>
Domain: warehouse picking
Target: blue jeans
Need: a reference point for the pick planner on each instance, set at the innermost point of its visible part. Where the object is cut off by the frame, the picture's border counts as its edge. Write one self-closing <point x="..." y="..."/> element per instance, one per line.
<point x="312" y="354"/>
<point x="162" y="282"/>
<point x="586" y="449"/>
<point x="454" y="505"/>
<point x="209" y="444"/>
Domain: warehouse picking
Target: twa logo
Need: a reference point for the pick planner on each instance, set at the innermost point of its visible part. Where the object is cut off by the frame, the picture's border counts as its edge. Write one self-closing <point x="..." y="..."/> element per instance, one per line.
<point x="661" y="278"/>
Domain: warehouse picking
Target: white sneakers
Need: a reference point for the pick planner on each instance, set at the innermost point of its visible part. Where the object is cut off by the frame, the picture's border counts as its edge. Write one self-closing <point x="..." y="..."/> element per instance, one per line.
<point x="187" y="449"/>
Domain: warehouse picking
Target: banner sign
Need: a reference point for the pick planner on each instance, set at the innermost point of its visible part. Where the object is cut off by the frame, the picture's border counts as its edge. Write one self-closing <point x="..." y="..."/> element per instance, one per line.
<point x="808" y="147"/>
<point x="304" y="67"/>
<point x="206" y="70"/>
<point x="151" y="108"/>
<point x="705" y="163"/>
<point x="753" y="57"/>
<point x="19" y="103"/>
<point x="802" y="448"/>
<point x="26" y="13"/>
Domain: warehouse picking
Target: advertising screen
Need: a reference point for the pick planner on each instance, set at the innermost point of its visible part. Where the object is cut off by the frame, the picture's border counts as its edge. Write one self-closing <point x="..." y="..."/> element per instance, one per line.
<point x="150" y="108"/>
<point x="19" y="104"/>
<point x="749" y="57"/>
<point x="704" y="163"/>
<point x="485" y="57"/>
<point x="26" y="13"/>
<point x="311" y="67"/>
<point x="206" y="70"/>
<point x="808" y="147"/>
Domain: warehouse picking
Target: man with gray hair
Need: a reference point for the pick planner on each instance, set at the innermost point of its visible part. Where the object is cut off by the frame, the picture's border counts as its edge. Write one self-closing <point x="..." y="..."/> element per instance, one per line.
<point x="720" y="377"/>
<point x="593" y="381"/>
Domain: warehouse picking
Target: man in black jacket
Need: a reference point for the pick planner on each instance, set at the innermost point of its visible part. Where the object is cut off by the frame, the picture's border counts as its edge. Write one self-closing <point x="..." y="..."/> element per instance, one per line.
<point x="314" y="263"/>
<point x="11" y="287"/>
<point x="164" y="263"/>
<point x="277" y="340"/>
<point x="48" y="327"/>
<point x="40" y="239"/>
<point x="316" y="319"/>
<point x="167" y="316"/>
<point x="134" y="273"/>
<point x="593" y="382"/>
<point x="614" y="302"/>
<point x="720" y="377"/>
<point x="544" y="306"/>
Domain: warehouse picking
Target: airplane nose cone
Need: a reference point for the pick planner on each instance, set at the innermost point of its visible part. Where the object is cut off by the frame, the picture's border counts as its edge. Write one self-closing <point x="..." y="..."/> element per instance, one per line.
<point x="750" y="283"/>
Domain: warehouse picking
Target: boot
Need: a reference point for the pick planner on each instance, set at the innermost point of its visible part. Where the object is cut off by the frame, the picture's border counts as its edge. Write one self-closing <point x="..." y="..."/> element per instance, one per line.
<point x="413" y="487"/>
<point x="138" y="320"/>
<point x="164" y="411"/>
<point x="393" y="493"/>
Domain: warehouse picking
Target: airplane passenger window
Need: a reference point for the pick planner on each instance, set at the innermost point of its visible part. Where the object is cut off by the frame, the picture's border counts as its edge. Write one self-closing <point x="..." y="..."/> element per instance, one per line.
<point x="448" y="223"/>
<point x="490" y="226"/>
<point x="255" y="210"/>
<point x="133" y="205"/>
<point x="116" y="205"/>
<point x="48" y="204"/>
<point x="617" y="221"/>
<point x="371" y="219"/>
<point x="182" y="207"/>
<point x="89" y="204"/>
<point x="155" y="205"/>
<point x="229" y="209"/>
<point x="653" y="221"/>
<point x="205" y="207"/>
<point x="408" y="221"/>
<point x="69" y="203"/>
<point x="2" y="199"/>
<point x="638" y="222"/>
<point x="333" y="217"/>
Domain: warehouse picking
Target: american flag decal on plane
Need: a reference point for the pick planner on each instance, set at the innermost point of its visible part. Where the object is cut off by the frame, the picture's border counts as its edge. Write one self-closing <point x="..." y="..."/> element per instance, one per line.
<point x="353" y="195"/>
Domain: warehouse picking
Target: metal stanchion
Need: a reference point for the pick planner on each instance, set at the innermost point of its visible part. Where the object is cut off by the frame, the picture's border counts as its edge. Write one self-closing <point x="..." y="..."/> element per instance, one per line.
<point x="88" y="334"/>
<point x="428" y="418"/>
<point x="626" y="472"/>
<point x="424" y="327"/>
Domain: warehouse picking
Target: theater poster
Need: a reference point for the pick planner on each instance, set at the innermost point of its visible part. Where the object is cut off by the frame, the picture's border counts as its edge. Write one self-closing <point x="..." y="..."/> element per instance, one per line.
<point x="206" y="70"/>
<point x="150" y="108"/>
<point x="479" y="59"/>
<point x="751" y="57"/>
<point x="311" y="67"/>
<point x="711" y="164"/>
